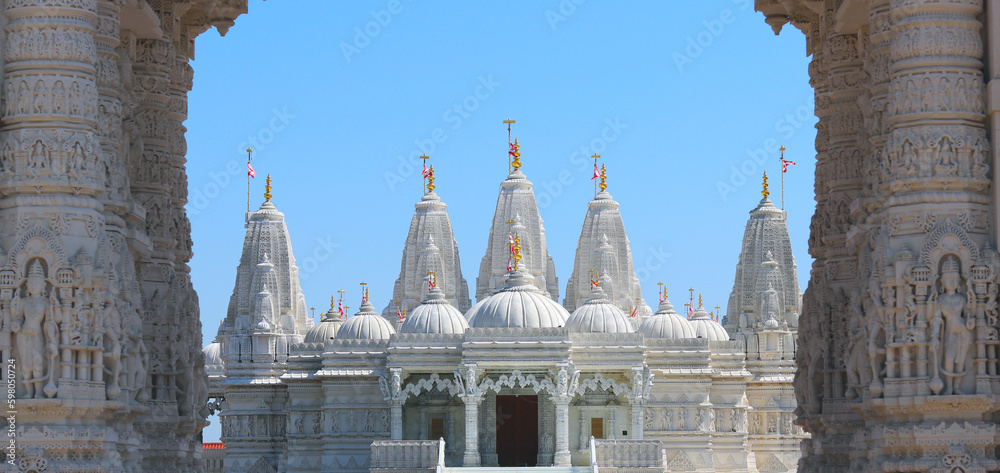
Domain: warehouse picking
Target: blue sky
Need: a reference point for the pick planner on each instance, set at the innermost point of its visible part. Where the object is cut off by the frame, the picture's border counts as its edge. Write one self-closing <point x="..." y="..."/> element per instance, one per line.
<point x="687" y="102"/>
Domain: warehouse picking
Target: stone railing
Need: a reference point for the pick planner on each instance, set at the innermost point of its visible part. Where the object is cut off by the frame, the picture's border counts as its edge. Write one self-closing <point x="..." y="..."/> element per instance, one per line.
<point x="630" y="456"/>
<point x="401" y="456"/>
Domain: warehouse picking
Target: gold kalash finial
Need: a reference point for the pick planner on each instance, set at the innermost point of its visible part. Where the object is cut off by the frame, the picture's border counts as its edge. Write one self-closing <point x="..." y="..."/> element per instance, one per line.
<point x="765" y="192"/>
<point x="430" y="179"/>
<point x="267" y="189"/>
<point x="699" y="301"/>
<point x="517" y="249"/>
<point x="516" y="163"/>
<point x="604" y="178"/>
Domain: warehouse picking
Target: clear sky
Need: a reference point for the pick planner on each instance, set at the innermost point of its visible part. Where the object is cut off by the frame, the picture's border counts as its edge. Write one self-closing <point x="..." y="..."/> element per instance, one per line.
<point x="687" y="101"/>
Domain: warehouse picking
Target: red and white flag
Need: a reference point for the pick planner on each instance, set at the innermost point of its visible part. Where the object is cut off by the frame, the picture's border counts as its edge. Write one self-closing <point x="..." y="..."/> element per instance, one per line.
<point x="510" y="241"/>
<point x="340" y="307"/>
<point x="634" y="312"/>
<point x="512" y="150"/>
<point x="426" y="172"/>
<point x="399" y="314"/>
<point x="593" y="284"/>
<point x="250" y="171"/>
<point x="430" y="283"/>
<point x="597" y="173"/>
<point x="785" y="163"/>
<point x="510" y="265"/>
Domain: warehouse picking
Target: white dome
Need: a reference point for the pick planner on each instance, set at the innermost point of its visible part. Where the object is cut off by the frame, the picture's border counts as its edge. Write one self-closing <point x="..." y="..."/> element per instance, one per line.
<point x="599" y="315"/>
<point x="213" y="353"/>
<point x="518" y="304"/>
<point x="213" y="358"/>
<point x="707" y="328"/>
<point x="667" y="323"/>
<point x="326" y="329"/>
<point x="434" y="315"/>
<point x="366" y="325"/>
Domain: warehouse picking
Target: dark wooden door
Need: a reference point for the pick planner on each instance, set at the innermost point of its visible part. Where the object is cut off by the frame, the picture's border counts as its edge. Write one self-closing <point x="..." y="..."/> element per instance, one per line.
<point x="517" y="430"/>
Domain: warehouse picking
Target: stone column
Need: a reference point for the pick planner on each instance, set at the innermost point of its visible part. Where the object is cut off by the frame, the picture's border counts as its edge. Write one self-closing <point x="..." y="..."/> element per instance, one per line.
<point x="422" y="424"/>
<point x="562" y="456"/>
<point x="471" y="457"/>
<point x="638" y="417"/>
<point x="396" y="420"/>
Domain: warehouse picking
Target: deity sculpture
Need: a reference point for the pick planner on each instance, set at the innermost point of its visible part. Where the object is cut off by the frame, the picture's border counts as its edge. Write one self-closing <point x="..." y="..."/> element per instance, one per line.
<point x="950" y="318"/>
<point x="33" y="319"/>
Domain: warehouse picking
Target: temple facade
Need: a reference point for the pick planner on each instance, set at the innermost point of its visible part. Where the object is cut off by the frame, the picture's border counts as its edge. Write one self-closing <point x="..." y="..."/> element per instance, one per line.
<point x="516" y="379"/>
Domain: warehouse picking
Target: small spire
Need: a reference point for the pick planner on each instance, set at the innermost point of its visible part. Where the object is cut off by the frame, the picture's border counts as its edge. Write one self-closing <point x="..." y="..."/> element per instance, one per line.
<point x="516" y="163"/>
<point x="765" y="192"/>
<point x="430" y="179"/>
<point x="333" y="302"/>
<point x="267" y="189"/>
<point x="699" y="301"/>
<point x="604" y="178"/>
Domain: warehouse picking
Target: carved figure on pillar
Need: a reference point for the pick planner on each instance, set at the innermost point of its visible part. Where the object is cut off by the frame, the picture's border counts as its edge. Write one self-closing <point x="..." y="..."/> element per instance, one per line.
<point x="33" y="318"/>
<point x="950" y="318"/>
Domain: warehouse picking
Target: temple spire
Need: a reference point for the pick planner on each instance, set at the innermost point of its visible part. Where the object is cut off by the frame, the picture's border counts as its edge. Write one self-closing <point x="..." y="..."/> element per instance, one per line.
<point x="430" y="246"/>
<point x="516" y="203"/>
<point x="603" y="247"/>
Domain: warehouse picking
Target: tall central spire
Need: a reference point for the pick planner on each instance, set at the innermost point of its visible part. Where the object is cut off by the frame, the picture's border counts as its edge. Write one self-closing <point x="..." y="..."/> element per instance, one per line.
<point x="516" y="204"/>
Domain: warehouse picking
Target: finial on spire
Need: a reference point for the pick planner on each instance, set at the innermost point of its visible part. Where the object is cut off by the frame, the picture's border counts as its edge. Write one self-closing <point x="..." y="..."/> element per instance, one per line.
<point x="333" y="302"/>
<point x="765" y="192"/>
<point x="516" y="153"/>
<point x="662" y="291"/>
<point x="430" y="179"/>
<point x="604" y="178"/>
<point x="267" y="189"/>
<point x="517" y="250"/>
<point x="699" y="301"/>
<point x="364" y="292"/>
<point x="510" y="146"/>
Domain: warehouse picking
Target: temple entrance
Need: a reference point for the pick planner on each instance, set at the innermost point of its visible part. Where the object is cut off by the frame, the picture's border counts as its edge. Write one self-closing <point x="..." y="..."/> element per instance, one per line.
<point x="517" y="430"/>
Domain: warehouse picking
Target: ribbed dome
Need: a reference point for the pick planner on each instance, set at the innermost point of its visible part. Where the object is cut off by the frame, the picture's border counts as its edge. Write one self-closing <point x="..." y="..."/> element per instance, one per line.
<point x="213" y="354"/>
<point x="707" y="328"/>
<point x="326" y="329"/>
<point x="667" y="323"/>
<point x="434" y="315"/>
<point x="518" y="304"/>
<point x="599" y="315"/>
<point x="366" y="325"/>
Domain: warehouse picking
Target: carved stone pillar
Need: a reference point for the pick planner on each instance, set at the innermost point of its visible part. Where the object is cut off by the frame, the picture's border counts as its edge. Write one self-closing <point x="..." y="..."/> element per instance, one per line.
<point x="61" y="281"/>
<point x="396" y="420"/>
<point x="471" y="456"/>
<point x="562" y="456"/>
<point x="637" y="417"/>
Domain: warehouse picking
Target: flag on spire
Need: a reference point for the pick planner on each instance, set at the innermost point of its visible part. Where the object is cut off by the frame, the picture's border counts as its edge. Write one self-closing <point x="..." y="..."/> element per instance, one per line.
<point x="250" y="171"/>
<point x="426" y="172"/>
<point x="399" y="314"/>
<point x="785" y="163"/>
<point x="597" y="172"/>
<point x="512" y="150"/>
<point x="634" y="311"/>
<point x="510" y="264"/>
<point x="340" y="307"/>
